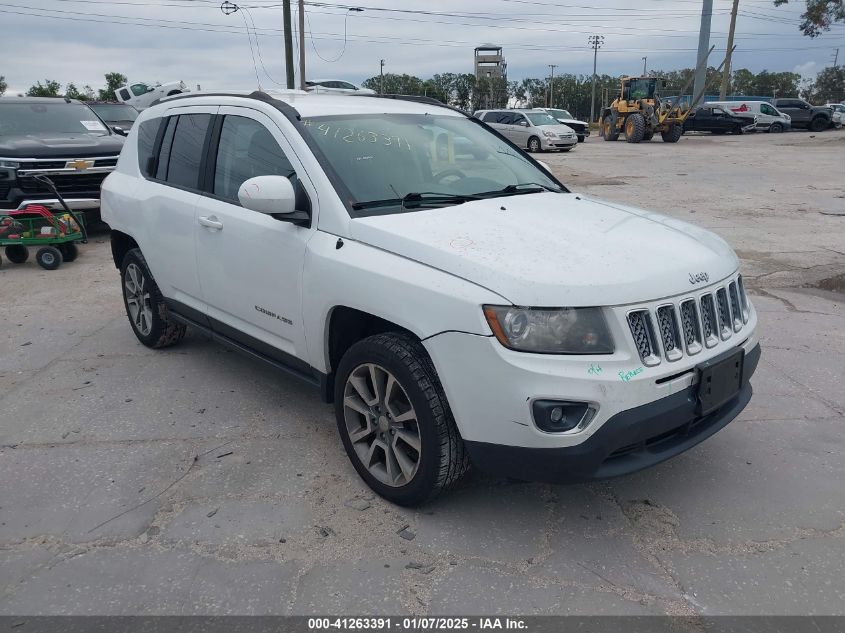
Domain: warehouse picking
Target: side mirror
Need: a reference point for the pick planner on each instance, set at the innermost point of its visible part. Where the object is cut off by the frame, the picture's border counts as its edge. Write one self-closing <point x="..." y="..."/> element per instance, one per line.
<point x="119" y="131"/>
<point x="268" y="194"/>
<point x="523" y="123"/>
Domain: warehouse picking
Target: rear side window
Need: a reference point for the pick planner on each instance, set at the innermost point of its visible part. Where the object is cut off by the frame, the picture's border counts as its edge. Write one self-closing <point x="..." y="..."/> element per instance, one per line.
<point x="147" y="133"/>
<point x="124" y="94"/>
<point x="247" y="149"/>
<point x="183" y="169"/>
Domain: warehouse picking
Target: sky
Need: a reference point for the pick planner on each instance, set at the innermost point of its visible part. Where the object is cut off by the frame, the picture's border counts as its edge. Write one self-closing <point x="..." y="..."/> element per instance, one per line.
<point x="193" y="40"/>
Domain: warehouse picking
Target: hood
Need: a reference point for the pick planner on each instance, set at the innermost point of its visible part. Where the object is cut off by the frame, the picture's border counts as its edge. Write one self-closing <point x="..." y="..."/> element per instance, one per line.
<point x="565" y="130"/>
<point x="60" y="146"/>
<point x="575" y="121"/>
<point x="550" y="249"/>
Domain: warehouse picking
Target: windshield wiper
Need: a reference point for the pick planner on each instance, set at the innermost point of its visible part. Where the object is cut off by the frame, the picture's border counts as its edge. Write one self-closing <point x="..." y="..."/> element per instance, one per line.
<point x="519" y="188"/>
<point x="417" y="199"/>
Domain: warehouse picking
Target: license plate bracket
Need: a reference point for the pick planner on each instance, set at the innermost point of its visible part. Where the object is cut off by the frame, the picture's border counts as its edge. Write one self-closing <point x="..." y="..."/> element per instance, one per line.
<point x="719" y="380"/>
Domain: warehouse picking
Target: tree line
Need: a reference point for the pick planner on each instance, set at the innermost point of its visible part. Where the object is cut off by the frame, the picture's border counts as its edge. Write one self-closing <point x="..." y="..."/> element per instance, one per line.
<point x="53" y="88"/>
<point x="569" y="91"/>
<point x="574" y="92"/>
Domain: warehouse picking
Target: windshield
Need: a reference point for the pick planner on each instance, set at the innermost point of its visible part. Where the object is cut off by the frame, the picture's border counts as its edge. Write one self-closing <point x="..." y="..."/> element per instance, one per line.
<point x="115" y="111"/>
<point x="641" y="89"/>
<point x="560" y="114"/>
<point x="21" y="119"/>
<point x="386" y="157"/>
<point x="541" y="118"/>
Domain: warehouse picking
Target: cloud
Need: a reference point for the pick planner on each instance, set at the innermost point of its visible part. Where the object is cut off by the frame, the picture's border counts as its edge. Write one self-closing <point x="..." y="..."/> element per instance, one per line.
<point x="807" y="70"/>
<point x="192" y="40"/>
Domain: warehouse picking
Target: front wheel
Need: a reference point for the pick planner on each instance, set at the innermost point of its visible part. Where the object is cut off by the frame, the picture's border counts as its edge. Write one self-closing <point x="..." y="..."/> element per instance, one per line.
<point x="534" y="144"/>
<point x="582" y="138"/>
<point x="148" y="314"/>
<point x="776" y="128"/>
<point x="818" y="124"/>
<point x="49" y="257"/>
<point x="672" y="134"/>
<point x="394" y="420"/>
<point x="634" y="128"/>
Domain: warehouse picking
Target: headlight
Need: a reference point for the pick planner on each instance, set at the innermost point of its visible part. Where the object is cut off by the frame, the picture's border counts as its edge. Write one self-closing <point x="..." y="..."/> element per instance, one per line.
<point x="9" y="164"/>
<point x="548" y="134"/>
<point x="550" y="331"/>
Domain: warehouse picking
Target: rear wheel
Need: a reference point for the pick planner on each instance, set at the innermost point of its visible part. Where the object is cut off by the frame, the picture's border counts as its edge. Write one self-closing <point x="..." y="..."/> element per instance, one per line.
<point x="776" y="128"/>
<point x="148" y="314"/>
<point x="672" y="134"/>
<point x="818" y="124"/>
<point x="609" y="131"/>
<point x="634" y="128"/>
<point x="534" y="144"/>
<point x="69" y="251"/>
<point x="394" y="420"/>
<point x="48" y="257"/>
<point x="17" y="253"/>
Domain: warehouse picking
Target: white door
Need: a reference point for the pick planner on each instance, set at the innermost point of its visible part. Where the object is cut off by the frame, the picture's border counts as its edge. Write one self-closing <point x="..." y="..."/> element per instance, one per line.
<point x="250" y="264"/>
<point x="169" y="204"/>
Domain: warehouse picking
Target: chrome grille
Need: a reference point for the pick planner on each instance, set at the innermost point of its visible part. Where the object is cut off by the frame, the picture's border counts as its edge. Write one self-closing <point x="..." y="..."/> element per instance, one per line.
<point x="736" y="312"/>
<point x="708" y="320"/>
<point x="689" y="323"/>
<point x="669" y="334"/>
<point x="724" y="313"/>
<point x="640" y="324"/>
<point x="671" y="330"/>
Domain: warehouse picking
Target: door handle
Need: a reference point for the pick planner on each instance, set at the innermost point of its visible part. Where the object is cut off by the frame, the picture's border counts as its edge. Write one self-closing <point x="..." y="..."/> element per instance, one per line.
<point x="211" y="222"/>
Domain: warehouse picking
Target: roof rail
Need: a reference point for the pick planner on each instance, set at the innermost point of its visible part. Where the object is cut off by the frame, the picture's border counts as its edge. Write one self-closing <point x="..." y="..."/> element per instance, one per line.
<point x="418" y="99"/>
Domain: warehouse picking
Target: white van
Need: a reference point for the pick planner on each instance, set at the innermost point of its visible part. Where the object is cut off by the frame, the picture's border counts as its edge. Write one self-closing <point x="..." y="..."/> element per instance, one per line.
<point x="769" y="118"/>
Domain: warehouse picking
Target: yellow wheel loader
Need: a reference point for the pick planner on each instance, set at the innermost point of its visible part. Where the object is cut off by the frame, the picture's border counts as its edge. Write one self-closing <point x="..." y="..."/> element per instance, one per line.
<point x="639" y="113"/>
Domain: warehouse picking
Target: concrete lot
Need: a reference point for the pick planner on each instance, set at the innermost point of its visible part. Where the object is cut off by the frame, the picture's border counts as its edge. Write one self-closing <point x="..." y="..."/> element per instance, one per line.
<point x="197" y="481"/>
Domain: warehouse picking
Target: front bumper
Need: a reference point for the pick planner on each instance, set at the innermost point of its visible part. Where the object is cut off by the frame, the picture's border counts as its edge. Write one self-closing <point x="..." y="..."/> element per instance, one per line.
<point x="558" y="143"/>
<point x="629" y="441"/>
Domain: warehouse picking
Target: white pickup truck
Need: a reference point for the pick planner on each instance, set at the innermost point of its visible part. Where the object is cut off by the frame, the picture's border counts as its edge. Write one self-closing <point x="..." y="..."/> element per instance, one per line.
<point x="455" y="301"/>
<point x="141" y="95"/>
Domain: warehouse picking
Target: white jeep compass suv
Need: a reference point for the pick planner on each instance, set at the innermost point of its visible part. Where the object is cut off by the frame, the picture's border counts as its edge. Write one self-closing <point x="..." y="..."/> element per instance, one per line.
<point x="454" y="300"/>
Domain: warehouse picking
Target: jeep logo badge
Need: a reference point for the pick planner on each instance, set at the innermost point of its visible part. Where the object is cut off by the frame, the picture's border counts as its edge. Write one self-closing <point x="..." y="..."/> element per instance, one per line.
<point x="698" y="278"/>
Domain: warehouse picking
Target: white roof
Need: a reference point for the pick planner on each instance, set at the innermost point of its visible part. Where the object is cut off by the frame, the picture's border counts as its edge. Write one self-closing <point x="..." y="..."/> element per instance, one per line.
<point x="309" y="104"/>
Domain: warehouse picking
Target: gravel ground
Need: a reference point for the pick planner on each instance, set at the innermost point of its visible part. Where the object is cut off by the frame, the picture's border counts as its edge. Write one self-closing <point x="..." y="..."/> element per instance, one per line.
<point x="196" y="481"/>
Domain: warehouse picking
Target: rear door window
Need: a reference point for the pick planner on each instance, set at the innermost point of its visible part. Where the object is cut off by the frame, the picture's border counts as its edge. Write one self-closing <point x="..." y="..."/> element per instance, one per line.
<point x="186" y="151"/>
<point x="147" y="134"/>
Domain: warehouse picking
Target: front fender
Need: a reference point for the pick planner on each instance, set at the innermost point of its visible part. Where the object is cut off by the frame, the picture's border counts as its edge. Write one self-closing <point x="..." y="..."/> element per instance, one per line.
<point x="423" y="300"/>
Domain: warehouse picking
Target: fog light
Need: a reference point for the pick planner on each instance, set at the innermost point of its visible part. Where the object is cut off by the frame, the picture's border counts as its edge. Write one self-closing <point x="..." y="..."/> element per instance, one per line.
<point x="555" y="416"/>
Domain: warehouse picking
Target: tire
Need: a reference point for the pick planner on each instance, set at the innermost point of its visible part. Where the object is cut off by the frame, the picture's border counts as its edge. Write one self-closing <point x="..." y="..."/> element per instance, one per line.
<point x="17" y="253"/>
<point x="818" y="124"/>
<point x="69" y="251"/>
<point x="634" y="128"/>
<point x="672" y="134"/>
<point x="145" y="307"/>
<point x="49" y="257"/>
<point x="582" y="138"/>
<point x="565" y="149"/>
<point x="439" y="459"/>
<point x="609" y="131"/>
<point x="776" y="128"/>
<point x="534" y="144"/>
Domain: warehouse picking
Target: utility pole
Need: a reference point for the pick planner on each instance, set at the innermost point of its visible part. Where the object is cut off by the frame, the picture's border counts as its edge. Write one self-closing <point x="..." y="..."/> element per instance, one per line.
<point x="381" y="78"/>
<point x="836" y="58"/>
<point x="595" y="41"/>
<point x="301" y="17"/>
<point x="703" y="46"/>
<point x="645" y="65"/>
<point x="726" y="76"/>
<point x="552" y="86"/>
<point x="288" y="43"/>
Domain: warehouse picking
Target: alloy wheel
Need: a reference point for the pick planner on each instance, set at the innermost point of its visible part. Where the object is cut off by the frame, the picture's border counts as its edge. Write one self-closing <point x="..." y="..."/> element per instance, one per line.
<point x="382" y="424"/>
<point x="138" y="299"/>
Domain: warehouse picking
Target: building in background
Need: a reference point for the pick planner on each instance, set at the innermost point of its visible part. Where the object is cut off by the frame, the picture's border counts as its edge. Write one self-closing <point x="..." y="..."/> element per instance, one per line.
<point x="490" y="63"/>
